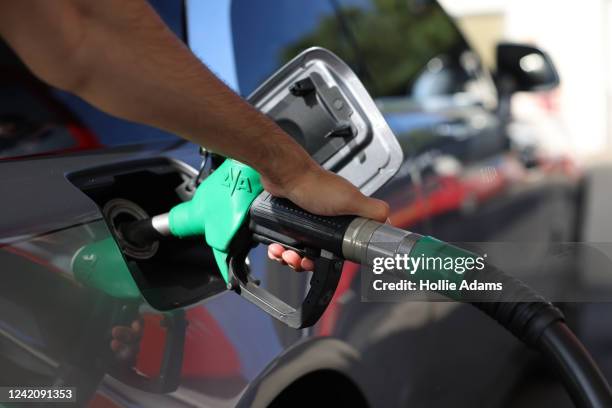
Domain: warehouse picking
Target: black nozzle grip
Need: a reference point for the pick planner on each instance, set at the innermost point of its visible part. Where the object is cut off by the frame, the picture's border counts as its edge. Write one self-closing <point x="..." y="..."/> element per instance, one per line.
<point x="282" y="221"/>
<point x="278" y="220"/>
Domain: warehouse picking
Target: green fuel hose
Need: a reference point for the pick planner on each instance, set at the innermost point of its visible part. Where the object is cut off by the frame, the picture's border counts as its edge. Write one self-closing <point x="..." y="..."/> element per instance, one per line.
<point x="518" y="308"/>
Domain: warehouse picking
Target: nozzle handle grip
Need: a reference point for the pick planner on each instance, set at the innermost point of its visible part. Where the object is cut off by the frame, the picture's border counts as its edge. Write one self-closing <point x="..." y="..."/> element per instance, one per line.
<point x="282" y="221"/>
<point x="274" y="219"/>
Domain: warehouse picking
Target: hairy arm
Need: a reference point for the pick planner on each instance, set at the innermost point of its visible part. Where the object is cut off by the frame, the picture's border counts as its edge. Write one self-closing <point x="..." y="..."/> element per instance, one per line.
<point x="120" y="56"/>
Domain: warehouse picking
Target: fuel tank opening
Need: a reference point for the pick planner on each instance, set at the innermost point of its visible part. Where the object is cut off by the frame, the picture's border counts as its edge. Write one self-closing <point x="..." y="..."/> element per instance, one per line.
<point x="170" y="273"/>
<point x="120" y="212"/>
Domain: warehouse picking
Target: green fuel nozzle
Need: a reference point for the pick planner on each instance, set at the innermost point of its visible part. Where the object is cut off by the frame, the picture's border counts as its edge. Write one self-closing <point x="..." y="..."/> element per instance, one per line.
<point x="233" y="214"/>
<point x="218" y="209"/>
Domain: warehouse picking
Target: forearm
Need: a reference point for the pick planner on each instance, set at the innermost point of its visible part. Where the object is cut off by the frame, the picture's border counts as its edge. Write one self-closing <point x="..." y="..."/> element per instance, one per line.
<point x="151" y="77"/>
<point x="119" y="56"/>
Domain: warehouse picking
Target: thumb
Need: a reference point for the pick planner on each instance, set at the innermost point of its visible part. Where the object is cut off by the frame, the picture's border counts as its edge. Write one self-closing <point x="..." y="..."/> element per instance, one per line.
<point x="372" y="208"/>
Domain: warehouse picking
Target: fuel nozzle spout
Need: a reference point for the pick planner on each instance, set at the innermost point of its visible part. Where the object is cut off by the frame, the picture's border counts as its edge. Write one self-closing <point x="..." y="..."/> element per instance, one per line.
<point x="146" y="231"/>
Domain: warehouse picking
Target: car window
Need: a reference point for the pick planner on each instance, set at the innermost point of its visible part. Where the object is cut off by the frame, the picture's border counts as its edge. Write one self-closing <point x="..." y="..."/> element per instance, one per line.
<point x="38" y="119"/>
<point x="399" y="49"/>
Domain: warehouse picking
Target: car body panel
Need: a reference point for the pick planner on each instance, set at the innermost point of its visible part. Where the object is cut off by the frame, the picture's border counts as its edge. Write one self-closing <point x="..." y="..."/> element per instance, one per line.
<point x="38" y="244"/>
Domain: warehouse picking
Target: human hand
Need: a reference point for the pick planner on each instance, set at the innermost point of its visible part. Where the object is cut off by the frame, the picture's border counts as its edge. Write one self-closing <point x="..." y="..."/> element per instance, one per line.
<point x="324" y="193"/>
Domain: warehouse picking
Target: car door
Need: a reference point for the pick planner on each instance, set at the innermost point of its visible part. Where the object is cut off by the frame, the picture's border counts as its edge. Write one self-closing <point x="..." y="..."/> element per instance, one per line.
<point x="479" y="188"/>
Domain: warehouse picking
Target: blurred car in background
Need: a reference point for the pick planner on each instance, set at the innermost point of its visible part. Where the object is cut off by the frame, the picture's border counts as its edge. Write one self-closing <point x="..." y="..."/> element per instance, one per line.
<point x="463" y="180"/>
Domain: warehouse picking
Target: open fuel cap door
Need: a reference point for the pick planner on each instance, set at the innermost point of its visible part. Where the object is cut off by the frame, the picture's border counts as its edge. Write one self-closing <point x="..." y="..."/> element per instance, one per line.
<point x="320" y="102"/>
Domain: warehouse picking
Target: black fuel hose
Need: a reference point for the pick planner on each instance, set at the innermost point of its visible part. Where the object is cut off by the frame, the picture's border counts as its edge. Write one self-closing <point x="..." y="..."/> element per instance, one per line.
<point x="582" y="378"/>
<point x="541" y="325"/>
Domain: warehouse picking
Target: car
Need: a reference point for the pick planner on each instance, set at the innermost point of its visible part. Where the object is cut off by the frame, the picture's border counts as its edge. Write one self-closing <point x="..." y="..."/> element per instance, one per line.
<point x="70" y="173"/>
